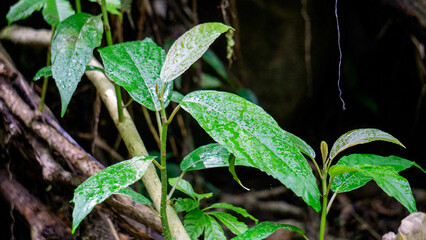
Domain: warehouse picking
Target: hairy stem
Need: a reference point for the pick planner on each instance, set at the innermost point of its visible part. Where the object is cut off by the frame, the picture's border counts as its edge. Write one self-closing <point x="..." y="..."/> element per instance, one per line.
<point x="109" y="42"/>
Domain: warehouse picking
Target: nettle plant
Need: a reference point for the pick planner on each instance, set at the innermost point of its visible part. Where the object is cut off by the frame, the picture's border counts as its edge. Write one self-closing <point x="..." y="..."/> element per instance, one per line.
<point x="245" y="134"/>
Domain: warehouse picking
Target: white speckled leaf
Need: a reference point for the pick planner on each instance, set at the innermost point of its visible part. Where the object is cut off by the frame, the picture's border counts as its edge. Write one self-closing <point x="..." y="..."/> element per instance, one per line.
<point x="23" y="9"/>
<point x="110" y="180"/>
<point x="302" y="145"/>
<point x="72" y="48"/>
<point x="264" y="229"/>
<point x="189" y="48"/>
<point x="360" y="136"/>
<point x="136" y="67"/>
<point x="248" y="132"/>
<point x="56" y="11"/>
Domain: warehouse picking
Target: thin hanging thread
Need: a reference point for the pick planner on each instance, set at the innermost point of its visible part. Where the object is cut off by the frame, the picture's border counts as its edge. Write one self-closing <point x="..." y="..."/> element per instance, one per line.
<point x="340" y="57"/>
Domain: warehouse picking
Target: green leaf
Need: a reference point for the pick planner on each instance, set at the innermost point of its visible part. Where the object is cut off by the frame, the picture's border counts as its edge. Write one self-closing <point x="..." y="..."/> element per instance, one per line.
<point x="43" y="72"/>
<point x="234" y="173"/>
<point x="215" y="63"/>
<point x="136" y="197"/>
<point x="213" y="229"/>
<point x="176" y="97"/>
<point x="209" y="82"/>
<point x="183" y="186"/>
<point x="185" y="204"/>
<point x="189" y="48"/>
<point x="72" y="48"/>
<point x="351" y="180"/>
<point x="248" y="95"/>
<point x="110" y="180"/>
<point x="57" y="11"/>
<point x="238" y="210"/>
<point x="361" y="136"/>
<point x="209" y="156"/>
<point x="136" y="67"/>
<point x="301" y="145"/>
<point x="248" y="132"/>
<point x="23" y="9"/>
<point x="194" y="223"/>
<point x="230" y="222"/>
<point x="111" y="4"/>
<point x="264" y="229"/>
<point x="388" y="179"/>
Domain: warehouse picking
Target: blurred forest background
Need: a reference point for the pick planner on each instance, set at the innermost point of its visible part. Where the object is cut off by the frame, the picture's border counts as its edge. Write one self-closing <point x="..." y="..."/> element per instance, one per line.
<point x="286" y="58"/>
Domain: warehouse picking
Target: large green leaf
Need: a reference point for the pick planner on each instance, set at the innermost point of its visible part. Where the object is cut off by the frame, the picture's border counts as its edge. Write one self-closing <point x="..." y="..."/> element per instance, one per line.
<point x="264" y="229"/>
<point x="72" y="48"/>
<point x="194" y="223"/>
<point x="388" y="179"/>
<point x="56" y="11"/>
<point x="110" y="180"/>
<point x="209" y="156"/>
<point x="213" y="229"/>
<point x="136" y="67"/>
<point x="360" y="136"/>
<point x="189" y="48"/>
<point x="248" y="132"/>
<point x="238" y="210"/>
<point x="230" y="222"/>
<point x="23" y="9"/>
<point x="349" y="181"/>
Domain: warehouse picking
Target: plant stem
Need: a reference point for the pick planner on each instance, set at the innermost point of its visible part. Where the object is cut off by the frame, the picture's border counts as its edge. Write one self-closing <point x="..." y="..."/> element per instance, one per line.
<point x="78" y="6"/>
<point x="163" y="204"/>
<point x="109" y="42"/>
<point x="46" y="79"/>
<point x="324" y="203"/>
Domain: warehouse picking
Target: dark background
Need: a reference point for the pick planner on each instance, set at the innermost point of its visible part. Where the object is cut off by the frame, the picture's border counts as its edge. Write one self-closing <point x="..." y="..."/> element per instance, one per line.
<point x="382" y="75"/>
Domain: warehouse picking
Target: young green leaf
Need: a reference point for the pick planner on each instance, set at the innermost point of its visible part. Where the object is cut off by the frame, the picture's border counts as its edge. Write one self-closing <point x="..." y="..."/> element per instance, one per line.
<point x="213" y="229"/>
<point x="185" y="205"/>
<point x="248" y="132"/>
<point x="238" y="210"/>
<point x="264" y="229"/>
<point x="350" y="180"/>
<point x="23" y="9"/>
<point x="388" y="179"/>
<point x="230" y="222"/>
<point x="234" y="173"/>
<point x="110" y="180"/>
<point x="194" y="223"/>
<point x="361" y="136"/>
<point x="183" y="186"/>
<point x="56" y="11"/>
<point x="72" y="47"/>
<point x="112" y="6"/>
<point x="136" y="67"/>
<point x="43" y="72"/>
<point x="209" y="156"/>
<point x="176" y="96"/>
<point x="189" y="48"/>
<point x="136" y="197"/>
